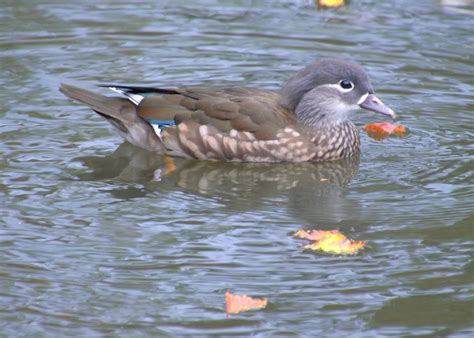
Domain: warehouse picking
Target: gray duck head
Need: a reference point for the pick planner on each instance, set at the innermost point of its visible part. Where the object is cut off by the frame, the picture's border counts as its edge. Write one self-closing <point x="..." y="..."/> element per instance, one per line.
<point x="327" y="91"/>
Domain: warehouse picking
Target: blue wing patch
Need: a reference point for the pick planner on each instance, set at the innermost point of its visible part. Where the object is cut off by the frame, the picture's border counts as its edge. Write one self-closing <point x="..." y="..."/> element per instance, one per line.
<point x="162" y="123"/>
<point x="158" y="125"/>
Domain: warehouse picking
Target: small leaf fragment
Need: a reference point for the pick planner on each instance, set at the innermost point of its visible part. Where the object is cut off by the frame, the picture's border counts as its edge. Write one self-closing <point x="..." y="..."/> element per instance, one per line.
<point x="239" y="303"/>
<point x="329" y="3"/>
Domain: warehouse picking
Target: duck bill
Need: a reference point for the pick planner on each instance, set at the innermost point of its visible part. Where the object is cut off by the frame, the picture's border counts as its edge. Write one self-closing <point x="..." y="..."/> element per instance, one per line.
<point x="373" y="103"/>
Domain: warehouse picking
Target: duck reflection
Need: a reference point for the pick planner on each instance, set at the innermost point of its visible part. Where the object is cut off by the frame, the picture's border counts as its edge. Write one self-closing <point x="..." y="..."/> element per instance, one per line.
<point x="127" y="164"/>
<point x="310" y="191"/>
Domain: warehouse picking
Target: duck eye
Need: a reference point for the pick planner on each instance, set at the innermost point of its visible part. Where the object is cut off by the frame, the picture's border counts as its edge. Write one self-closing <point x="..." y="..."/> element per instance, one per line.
<point x="346" y="84"/>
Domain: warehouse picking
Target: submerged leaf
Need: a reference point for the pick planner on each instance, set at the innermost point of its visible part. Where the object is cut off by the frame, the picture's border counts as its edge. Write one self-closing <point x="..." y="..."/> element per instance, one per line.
<point x="380" y="131"/>
<point x="170" y="166"/>
<point x="330" y="241"/>
<point x="239" y="303"/>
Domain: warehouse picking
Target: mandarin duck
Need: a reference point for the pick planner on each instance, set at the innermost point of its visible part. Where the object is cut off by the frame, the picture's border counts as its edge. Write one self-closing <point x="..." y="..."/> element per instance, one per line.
<point x="307" y="121"/>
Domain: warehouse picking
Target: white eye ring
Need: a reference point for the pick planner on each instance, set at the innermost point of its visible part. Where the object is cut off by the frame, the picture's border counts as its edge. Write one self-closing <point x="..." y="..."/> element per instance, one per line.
<point x="346" y="85"/>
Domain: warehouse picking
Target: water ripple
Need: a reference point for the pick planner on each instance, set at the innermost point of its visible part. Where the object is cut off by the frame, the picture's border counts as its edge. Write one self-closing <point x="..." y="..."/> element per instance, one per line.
<point x="96" y="242"/>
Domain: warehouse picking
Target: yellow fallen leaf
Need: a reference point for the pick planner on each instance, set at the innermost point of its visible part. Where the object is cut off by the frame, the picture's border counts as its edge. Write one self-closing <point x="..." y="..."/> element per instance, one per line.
<point x="330" y="241"/>
<point x="330" y="3"/>
<point x="239" y="303"/>
<point x="341" y="247"/>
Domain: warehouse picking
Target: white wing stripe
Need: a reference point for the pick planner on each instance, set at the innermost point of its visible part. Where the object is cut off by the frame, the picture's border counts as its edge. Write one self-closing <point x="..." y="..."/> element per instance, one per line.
<point x="135" y="98"/>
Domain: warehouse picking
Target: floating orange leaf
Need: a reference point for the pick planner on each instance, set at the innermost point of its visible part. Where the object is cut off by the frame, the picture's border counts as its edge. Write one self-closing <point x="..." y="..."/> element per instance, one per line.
<point x="331" y="241"/>
<point x="380" y="131"/>
<point x="239" y="303"/>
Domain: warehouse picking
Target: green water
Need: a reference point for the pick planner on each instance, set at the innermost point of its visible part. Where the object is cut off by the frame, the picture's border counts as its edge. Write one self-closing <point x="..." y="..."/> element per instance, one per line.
<point x="94" y="242"/>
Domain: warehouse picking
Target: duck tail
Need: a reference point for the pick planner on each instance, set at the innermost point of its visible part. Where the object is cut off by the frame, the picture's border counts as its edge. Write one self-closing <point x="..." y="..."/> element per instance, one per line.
<point x="120" y="113"/>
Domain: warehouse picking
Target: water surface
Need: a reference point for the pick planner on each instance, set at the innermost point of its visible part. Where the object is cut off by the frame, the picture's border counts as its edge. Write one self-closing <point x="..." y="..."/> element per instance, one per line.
<point x="95" y="242"/>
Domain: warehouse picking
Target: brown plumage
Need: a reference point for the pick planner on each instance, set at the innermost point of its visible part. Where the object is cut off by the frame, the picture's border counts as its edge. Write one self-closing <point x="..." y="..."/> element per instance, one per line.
<point x="239" y="124"/>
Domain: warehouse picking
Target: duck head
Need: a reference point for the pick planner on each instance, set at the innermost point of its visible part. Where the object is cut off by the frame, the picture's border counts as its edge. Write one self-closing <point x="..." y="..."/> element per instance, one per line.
<point x="326" y="92"/>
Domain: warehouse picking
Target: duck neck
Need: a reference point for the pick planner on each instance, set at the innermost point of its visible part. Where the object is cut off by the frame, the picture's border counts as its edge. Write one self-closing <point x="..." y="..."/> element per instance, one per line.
<point x="328" y="114"/>
<point x="320" y="120"/>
